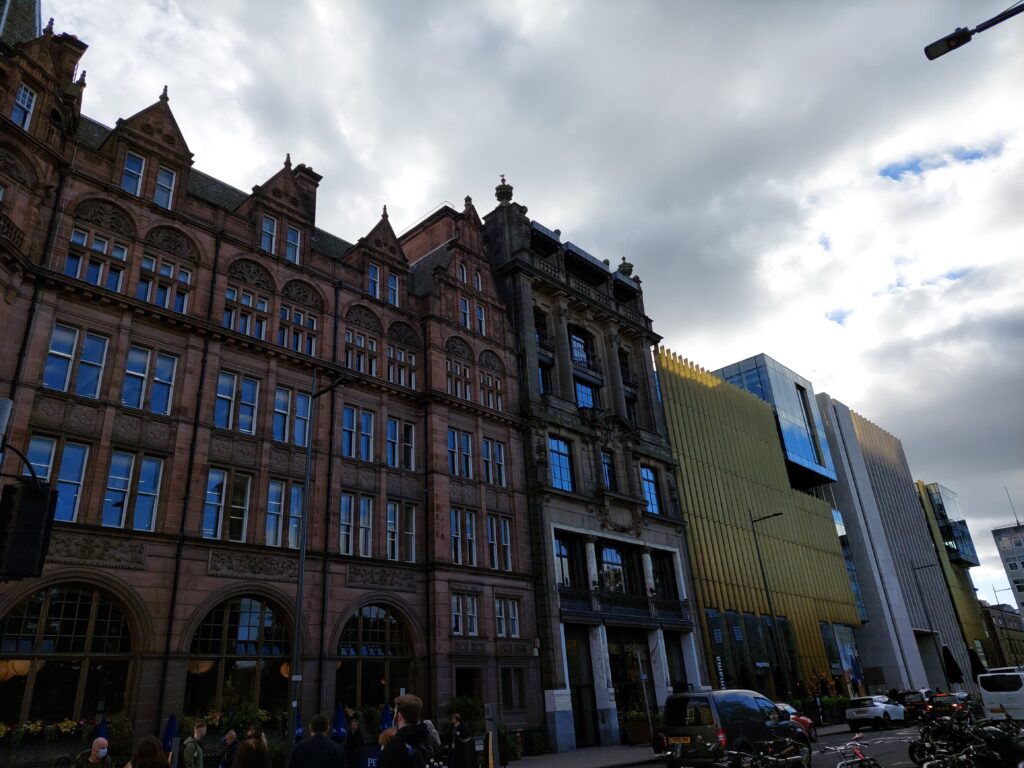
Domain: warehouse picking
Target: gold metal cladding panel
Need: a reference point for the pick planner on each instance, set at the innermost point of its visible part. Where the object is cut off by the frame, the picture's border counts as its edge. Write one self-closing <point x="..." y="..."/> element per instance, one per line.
<point x="731" y="466"/>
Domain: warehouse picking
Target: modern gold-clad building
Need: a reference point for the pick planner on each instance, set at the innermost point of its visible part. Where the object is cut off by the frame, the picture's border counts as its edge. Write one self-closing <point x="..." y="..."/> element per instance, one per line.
<point x="735" y="484"/>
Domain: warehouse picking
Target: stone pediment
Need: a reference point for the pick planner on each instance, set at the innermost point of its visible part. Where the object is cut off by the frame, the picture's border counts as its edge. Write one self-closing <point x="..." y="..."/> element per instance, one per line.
<point x="155" y="125"/>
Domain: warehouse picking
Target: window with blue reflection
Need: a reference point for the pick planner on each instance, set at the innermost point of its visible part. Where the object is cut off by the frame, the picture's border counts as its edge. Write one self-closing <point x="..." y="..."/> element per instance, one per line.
<point x="69" y="481"/>
<point x="90" y="367"/>
<point x="147" y="493"/>
<point x="57" y="372"/>
<point x="561" y="464"/>
<point x="584" y="395"/>
<point x="115" y="500"/>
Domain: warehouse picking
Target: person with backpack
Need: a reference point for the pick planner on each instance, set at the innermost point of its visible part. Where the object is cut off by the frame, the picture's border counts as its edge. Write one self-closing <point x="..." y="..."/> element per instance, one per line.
<point x="317" y="751"/>
<point x="192" y="750"/>
<point x="411" y="747"/>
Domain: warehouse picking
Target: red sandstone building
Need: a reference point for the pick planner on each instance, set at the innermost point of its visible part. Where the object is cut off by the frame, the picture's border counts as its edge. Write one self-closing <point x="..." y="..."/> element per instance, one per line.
<point x="163" y="334"/>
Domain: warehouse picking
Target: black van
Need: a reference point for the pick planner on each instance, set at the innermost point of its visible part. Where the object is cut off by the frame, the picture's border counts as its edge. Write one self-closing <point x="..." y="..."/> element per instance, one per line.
<point x="696" y="724"/>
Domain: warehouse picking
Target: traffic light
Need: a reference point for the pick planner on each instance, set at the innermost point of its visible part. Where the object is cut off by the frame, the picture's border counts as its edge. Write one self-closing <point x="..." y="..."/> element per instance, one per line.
<point x="26" y="518"/>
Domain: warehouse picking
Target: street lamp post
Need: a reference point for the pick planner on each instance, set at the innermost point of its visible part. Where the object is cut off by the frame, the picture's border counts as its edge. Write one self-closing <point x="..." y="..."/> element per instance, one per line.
<point x="962" y="35"/>
<point x="928" y="617"/>
<point x="295" y="668"/>
<point x="771" y="604"/>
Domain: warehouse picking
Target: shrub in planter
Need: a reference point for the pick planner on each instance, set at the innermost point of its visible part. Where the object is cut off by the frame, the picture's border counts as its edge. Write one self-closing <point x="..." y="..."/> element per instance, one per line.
<point x="472" y="712"/>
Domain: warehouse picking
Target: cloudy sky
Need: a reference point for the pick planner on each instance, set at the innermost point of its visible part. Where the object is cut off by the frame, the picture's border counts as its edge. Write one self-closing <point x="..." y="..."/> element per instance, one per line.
<point x="793" y="178"/>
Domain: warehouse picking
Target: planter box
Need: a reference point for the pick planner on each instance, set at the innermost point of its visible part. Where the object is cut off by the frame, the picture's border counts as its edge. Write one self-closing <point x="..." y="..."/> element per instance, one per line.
<point x="638" y="732"/>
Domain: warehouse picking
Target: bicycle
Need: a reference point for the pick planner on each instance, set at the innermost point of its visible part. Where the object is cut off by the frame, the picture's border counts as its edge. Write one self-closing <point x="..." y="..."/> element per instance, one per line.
<point x="852" y="756"/>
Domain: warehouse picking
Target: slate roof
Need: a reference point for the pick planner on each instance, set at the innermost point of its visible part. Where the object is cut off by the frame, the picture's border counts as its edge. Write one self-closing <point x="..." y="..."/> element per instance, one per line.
<point x="91" y="135"/>
<point x="422" y="271"/>
<point x="22" y="22"/>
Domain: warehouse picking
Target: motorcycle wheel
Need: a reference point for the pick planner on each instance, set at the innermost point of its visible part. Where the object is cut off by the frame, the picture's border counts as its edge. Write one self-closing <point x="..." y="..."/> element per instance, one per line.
<point x="917" y="752"/>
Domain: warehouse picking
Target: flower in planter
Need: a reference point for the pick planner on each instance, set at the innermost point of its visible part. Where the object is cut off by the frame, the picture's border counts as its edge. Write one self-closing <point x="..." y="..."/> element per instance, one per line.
<point x="67" y="727"/>
<point x="5" y="729"/>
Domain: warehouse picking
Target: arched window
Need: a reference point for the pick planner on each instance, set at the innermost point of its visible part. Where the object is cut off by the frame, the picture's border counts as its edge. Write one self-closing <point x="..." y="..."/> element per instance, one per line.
<point x="376" y="658"/>
<point x="239" y="656"/>
<point x="459" y="368"/>
<point x="65" y="653"/>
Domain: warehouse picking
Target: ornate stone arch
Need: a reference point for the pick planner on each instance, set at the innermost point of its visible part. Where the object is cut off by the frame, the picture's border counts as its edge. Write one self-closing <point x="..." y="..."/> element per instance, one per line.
<point x="174" y="242"/>
<point x="301" y="292"/>
<point x="388" y="600"/>
<point x="106" y="215"/>
<point x="249" y="272"/>
<point x="281" y="602"/>
<point x="457" y="347"/>
<point x="363" y="317"/>
<point x="491" y="362"/>
<point x="403" y="334"/>
<point x="140" y="625"/>
<point x="18" y="166"/>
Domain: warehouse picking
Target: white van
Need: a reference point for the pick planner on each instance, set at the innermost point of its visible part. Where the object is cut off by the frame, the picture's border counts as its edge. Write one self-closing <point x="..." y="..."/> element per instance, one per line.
<point x="1002" y="692"/>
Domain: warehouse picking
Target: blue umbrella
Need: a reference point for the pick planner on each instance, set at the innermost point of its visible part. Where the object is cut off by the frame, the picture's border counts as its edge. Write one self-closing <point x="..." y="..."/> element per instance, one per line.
<point x="387" y="717"/>
<point x="102" y="730"/>
<point x="170" y="731"/>
<point x="298" y="723"/>
<point x="338" y="729"/>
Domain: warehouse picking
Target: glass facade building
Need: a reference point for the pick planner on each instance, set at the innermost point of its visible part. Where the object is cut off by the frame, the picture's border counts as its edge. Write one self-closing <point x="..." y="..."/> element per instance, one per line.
<point x="796" y="415"/>
<point x="953" y="526"/>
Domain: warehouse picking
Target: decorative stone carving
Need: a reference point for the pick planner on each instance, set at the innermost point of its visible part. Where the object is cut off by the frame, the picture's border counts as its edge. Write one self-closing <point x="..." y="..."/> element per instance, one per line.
<point x="220" y="448"/>
<point x="157" y="434"/>
<point x="279" y="460"/>
<point x="49" y="410"/>
<point x="251" y="273"/>
<point x="82" y="417"/>
<point x="299" y="292"/>
<point x="469" y="647"/>
<point x="457" y="347"/>
<point x="412" y="488"/>
<point x="369" y="577"/>
<point x="402" y="334"/>
<point x="361" y="317"/>
<point x="513" y="648"/>
<point x="14" y="167"/>
<point x="491" y="362"/>
<point x="106" y="216"/>
<point x="251" y="565"/>
<point x="96" y="550"/>
<point x="127" y="427"/>
<point x="348" y="474"/>
<point x="394" y="484"/>
<point x="245" y="452"/>
<point x="367" y="478"/>
<point x="174" y="242"/>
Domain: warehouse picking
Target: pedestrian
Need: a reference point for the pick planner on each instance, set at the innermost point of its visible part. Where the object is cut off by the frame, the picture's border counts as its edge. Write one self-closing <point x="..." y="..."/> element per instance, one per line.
<point x="460" y="742"/>
<point x="435" y="737"/>
<point x="96" y="756"/>
<point x="385" y="736"/>
<point x="354" y="744"/>
<point x="192" y="751"/>
<point x="231" y="749"/>
<point x="411" y="747"/>
<point x="317" y="751"/>
<point x="149" y="753"/>
<point x="256" y="732"/>
<point x="252" y="753"/>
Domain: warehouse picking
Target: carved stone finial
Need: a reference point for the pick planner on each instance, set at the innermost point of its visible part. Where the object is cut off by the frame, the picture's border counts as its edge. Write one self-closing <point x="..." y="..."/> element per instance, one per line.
<point x="468" y="201"/>
<point x="625" y="267"/>
<point x="503" y="191"/>
<point x="49" y="26"/>
<point x="163" y="96"/>
<point x="288" y="160"/>
<point x="384" y="213"/>
<point x="81" y="78"/>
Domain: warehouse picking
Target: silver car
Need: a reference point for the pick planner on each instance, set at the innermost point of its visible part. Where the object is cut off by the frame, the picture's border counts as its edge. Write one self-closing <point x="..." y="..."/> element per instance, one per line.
<point x="876" y="711"/>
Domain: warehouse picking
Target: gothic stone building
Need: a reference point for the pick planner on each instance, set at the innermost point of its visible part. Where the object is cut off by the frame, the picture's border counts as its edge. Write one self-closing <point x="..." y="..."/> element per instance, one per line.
<point x="164" y="337"/>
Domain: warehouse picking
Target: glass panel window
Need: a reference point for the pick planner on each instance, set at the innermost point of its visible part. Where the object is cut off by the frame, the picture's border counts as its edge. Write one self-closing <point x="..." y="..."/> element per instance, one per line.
<point x="275" y="513"/>
<point x="291" y="426"/>
<point x="365" y="526"/>
<point x="481" y="321"/>
<point x="57" y="372"/>
<point x="292" y="245"/>
<point x="238" y="516"/>
<point x="224" y="407"/>
<point x="499" y="617"/>
<point x="513" y="617"/>
<point x="24" y="103"/>
<point x="213" y="508"/>
<point x="348" y="432"/>
<point x="131" y="176"/>
<point x="456" y="536"/>
<point x="608" y="470"/>
<point x="471" y="624"/>
<point x="492" y="541"/>
<point x="115" y="500"/>
<point x="471" y="538"/>
<point x="147" y="494"/>
<point x="561" y="464"/>
<point x="268" y="234"/>
<point x="392" y="530"/>
<point x="401" y="366"/>
<point x="466" y="453"/>
<point x="391" y="441"/>
<point x="649" y="481"/>
<point x="145" y="388"/>
<point x="457" y="628"/>
<point x="464" y="313"/>
<point x="506" y="544"/>
<point x="236" y="403"/>
<point x="345" y="525"/>
<point x="366" y="435"/>
<point x="70" y="474"/>
<point x="297" y="329"/>
<point x="164" y="188"/>
<point x="477" y="282"/>
<point x="295" y="511"/>
<point x="410" y="534"/>
<point x="513" y="689"/>
<point x="164" y="283"/>
<point x="392" y="289"/>
<point x="246" y="311"/>
<point x="373" y="280"/>
<point x="409" y="446"/>
<point x="585" y="396"/>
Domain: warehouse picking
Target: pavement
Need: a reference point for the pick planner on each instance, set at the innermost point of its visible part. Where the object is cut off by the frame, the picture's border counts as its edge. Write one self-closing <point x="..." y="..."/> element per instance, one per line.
<point x="620" y="756"/>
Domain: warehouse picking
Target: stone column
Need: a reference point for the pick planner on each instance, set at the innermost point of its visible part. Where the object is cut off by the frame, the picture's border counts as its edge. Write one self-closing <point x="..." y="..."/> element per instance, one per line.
<point x="659" y="666"/>
<point x="592" y="573"/>
<point x="563" y="357"/>
<point x="527" y="333"/>
<point x="613" y="372"/>
<point x="604" y="691"/>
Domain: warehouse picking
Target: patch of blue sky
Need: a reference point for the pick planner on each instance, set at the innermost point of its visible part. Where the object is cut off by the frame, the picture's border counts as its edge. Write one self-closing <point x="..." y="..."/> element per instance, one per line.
<point x="825" y="242"/>
<point x="838" y="316"/>
<point x="956" y="274"/>
<point x="916" y="165"/>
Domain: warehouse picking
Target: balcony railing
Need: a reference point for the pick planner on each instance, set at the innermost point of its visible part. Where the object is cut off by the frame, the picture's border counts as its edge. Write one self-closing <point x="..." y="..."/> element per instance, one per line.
<point x="10" y="231"/>
<point x="607" y="602"/>
<point x="589" y="363"/>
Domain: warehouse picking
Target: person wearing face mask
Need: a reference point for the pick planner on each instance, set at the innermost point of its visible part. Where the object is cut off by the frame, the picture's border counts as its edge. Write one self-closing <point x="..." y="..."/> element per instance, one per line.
<point x="95" y="757"/>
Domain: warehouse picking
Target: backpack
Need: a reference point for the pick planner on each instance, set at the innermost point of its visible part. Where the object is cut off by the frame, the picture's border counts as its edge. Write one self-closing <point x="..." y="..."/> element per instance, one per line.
<point x="421" y="758"/>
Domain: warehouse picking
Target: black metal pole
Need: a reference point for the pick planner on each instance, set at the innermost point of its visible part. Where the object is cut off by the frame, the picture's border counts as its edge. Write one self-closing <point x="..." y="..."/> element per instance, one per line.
<point x="771" y="605"/>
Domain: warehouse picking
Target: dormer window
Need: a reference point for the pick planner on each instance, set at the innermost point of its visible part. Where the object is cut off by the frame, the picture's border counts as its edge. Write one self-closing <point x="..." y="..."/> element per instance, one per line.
<point x="164" y="188"/>
<point x="24" y="103"/>
<point x="292" y="244"/>
<point x="131" y="176"/>
<point x="373" y="280"/>
<point x="268" y="238"/>
<point x="462" y="273"/>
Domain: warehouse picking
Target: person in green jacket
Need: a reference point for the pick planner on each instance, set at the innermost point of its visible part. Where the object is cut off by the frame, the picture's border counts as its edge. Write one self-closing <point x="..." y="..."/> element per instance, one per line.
<point x="192" y="751"/>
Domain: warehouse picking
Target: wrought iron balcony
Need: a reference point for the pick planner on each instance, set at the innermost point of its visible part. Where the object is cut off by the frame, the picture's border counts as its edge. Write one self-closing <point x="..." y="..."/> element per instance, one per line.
<point x="629" y="379"/>
<point x="676" y="611"/>
<point x="624" y="604"/>
<point x="593" y="603"/>
<point x="589" y="363"/>
<point x="9" y="231"/>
